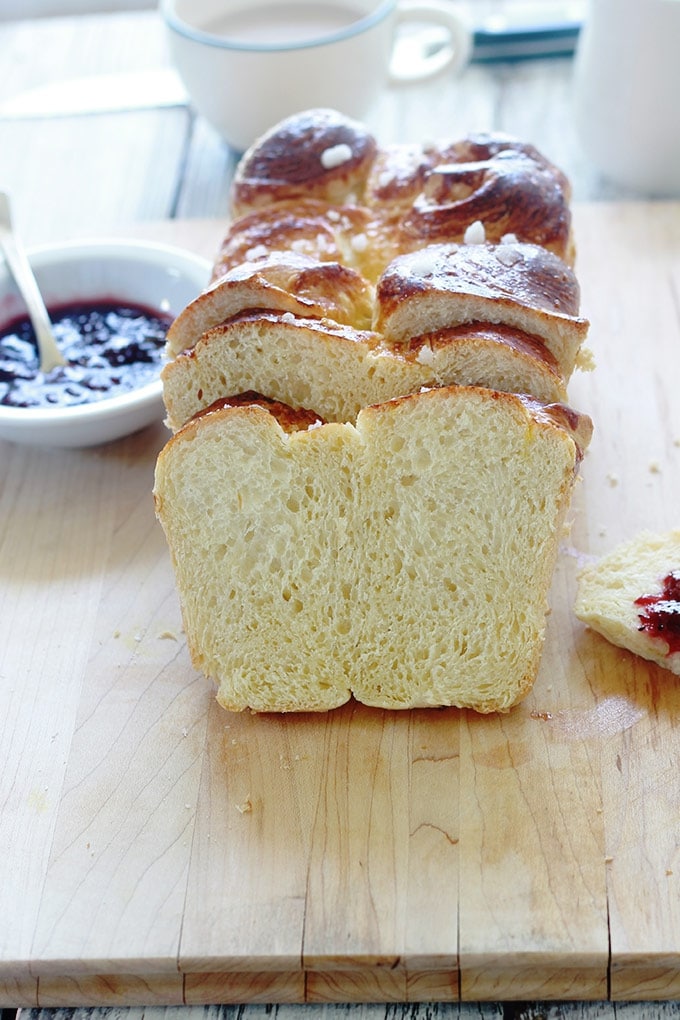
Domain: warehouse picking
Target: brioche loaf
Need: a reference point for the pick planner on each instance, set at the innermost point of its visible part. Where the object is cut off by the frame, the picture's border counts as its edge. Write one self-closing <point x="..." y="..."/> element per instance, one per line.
<point x="327" y="228"/>
<point x="337" y="370"/>
<point x="405" y="560"/>
<point x="520" y="285"/>
<point x="502" y="316"/>
<point x="373" y="453"/>
<point x="632" y="597"/>
<point x="425" y="193"/>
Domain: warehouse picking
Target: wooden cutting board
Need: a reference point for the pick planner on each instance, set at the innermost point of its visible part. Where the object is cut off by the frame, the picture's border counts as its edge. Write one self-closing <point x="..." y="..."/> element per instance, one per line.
<point x="157" y="849"/>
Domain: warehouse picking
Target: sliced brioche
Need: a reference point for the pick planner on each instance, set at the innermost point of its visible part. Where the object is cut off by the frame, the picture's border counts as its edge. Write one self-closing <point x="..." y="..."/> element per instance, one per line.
<point x="312" y="363"/>
<point x="406" y="559"/>
<point x="631" y="598"/>
<point x="286" y="281"/>
<point x="337" y="370"/>
<point x="519" y="285"/>
<point x="461" y="541"/>
<point x="235" y="494"/>
<point x="488" y="354"/>
<point x="377" y="514"/>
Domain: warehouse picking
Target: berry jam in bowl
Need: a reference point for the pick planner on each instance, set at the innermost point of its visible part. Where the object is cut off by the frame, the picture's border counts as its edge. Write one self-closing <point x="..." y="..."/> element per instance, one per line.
<point x="110" y="303"/>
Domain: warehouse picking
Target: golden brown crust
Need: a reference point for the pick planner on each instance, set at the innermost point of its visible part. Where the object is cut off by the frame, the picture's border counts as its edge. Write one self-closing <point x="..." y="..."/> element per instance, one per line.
<point x="283" y="280"/>
<point x="508" y="193"/>
<point x="579" y="426"/>
<point x="520" y="285"/>
<point x="556" y="415"/>
<point x="291" y="419"/>
<point x="350" y="235"/>
<point x="414" y="194"/>
<point x="315" y="154"/>
<point x="486" y="145"/>
<point x="327" y="327"/>
<point x="526" y="274"/>
<point x="298" y="419"/>
<point x="400" y="172"/>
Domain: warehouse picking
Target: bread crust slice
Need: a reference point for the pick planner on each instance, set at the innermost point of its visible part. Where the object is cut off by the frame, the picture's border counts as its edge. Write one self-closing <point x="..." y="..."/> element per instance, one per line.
<point x="404" y="560"/>
<point x="336" y="370"/>
<point x="519" y="285"/>
<point x="284" y="281"/>
<point x="609" y="590"/>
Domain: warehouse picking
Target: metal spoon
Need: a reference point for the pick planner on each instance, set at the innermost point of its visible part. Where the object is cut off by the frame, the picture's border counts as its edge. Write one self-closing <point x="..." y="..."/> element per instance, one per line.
<point x="19" y="267"/>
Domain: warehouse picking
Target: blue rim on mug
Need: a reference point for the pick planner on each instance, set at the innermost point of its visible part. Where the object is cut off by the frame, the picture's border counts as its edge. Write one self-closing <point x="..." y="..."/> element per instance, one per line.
<point x="177" y="24"/>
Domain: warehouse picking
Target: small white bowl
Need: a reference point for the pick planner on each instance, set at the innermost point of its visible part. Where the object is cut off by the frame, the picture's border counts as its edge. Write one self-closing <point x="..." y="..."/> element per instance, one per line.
<point x="157" y="276"/>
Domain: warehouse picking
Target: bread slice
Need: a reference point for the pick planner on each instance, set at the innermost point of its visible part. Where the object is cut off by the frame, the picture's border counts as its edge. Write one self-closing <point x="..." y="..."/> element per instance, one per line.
<point x="313" y="363"/>
<point x="519" y="285"/>
<point x="336" y="370"/>
<point x="632" y="599"/>
<point x="488" y="354"/>
<point x="287" y="281"/>
<point x="405" y="559"/>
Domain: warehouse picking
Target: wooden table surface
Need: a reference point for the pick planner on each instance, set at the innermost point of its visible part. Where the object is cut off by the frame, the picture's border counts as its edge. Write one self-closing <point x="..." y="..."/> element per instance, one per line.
<point x="135" y="171"/>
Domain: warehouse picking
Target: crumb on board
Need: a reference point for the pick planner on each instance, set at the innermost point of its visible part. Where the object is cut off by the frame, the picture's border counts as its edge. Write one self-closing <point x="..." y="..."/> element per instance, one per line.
<point x="167" y="635"/>
<point x="655" y="467"/>
<point x="246" y="807"/>
<point x="585" y="360"/>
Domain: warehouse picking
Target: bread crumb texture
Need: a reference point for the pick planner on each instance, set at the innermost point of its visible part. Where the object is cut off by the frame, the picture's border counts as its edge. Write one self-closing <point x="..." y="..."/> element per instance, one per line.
<point x="608" y="590"/>
<point x="404" y="560"/>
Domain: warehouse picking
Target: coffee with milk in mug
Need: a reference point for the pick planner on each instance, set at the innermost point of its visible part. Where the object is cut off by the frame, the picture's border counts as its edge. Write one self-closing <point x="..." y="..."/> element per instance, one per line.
<point x="248" y="64"/>
<point x="271" y="24"/>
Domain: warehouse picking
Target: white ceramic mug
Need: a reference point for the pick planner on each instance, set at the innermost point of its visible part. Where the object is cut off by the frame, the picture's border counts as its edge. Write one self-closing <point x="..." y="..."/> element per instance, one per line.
<point x="246" y="64"/>
<point x="627" y="92"/>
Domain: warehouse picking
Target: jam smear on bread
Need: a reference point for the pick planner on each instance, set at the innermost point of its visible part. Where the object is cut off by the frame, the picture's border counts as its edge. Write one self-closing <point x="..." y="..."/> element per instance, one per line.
<point x="660" y="616"/>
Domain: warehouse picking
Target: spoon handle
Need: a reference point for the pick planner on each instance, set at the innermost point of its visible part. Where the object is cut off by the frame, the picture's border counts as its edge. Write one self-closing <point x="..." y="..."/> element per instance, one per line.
<point x="20" y="268"/>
